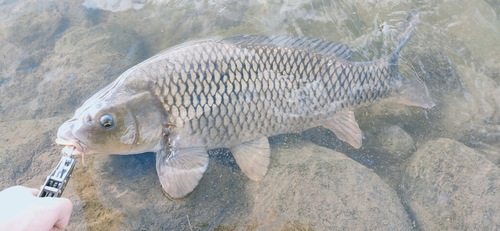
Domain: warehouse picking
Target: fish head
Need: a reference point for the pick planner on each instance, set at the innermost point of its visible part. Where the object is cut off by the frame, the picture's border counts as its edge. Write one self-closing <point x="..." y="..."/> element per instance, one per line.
<point x="116" y="124"/>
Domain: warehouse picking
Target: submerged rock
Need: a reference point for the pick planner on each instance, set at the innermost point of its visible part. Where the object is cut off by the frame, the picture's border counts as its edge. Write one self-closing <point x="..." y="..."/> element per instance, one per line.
<point x="394" y="141"/>
<point x="472" y="108"/>
<point x="449" y="186"/>
<point x="312" y="187"/>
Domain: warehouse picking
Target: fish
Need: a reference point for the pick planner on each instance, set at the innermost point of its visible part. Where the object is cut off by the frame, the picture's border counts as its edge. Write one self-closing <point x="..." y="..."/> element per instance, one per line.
<point x="235" y="93"/>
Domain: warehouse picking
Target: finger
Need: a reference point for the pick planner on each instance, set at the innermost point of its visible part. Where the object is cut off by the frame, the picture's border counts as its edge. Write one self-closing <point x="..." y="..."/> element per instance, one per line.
<point x="21" y="190"/>
<point x="65" y="208"/>
<point x="57" y="212"/>
<point x="34" y="191"/>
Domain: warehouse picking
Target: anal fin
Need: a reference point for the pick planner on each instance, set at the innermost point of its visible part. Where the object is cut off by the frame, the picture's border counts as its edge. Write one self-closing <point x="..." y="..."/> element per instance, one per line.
<point x="253" y="157"/>
<point x="181" y="170"/>
<point x="345" y="127"/>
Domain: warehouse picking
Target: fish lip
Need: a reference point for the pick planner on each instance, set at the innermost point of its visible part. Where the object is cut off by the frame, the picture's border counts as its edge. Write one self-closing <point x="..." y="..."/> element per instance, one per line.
<point x="72" y="146"/>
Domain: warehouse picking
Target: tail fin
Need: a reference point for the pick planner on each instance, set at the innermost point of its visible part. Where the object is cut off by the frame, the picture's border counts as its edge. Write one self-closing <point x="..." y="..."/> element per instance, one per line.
<point x="405" y="29"/>
<point x="411" y="92"/>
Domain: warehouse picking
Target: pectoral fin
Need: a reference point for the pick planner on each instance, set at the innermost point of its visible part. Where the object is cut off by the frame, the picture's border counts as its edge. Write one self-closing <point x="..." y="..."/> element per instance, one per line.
<point x="253" y="157"/>
<point x="346" y="128"/>
<point x="181" y="170"/>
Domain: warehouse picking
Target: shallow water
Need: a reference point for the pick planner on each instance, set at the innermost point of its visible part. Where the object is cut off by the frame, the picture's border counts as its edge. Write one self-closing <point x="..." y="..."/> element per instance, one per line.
<point x="56" y="54"/>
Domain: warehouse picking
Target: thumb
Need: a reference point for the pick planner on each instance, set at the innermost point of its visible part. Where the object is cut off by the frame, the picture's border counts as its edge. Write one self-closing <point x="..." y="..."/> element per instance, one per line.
<point x="60" y="211"/>
<point x="65" y="208"/>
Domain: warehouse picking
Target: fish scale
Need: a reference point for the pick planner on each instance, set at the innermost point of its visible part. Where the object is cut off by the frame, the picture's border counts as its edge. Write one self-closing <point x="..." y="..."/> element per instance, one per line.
<point x="253" y="89"/>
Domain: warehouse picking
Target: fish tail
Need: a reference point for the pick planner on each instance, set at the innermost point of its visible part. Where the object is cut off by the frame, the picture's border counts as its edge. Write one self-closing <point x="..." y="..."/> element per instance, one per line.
<point x="410" y="91"/>
<point x="405" y="29"/>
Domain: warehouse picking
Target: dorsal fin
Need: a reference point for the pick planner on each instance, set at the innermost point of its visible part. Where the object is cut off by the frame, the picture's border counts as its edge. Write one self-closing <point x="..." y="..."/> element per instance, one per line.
<point x="314" y="45"/>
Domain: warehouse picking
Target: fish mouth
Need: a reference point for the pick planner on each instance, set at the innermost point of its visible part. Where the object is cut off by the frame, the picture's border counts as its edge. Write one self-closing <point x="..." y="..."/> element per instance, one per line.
<point x="65" y="137"/>
<point x="71" y="147"/>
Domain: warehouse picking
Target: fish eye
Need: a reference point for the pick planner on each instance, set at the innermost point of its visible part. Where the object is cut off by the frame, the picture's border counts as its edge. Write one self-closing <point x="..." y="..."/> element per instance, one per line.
<point x="107" y="121"/>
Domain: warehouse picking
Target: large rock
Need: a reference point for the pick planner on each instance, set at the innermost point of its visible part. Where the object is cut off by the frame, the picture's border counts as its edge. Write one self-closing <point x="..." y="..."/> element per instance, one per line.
<point x="394" y="141"/>
<point x="474" y="108"/>
<point x="311" y="187"/>
<point x="449" y="186"/>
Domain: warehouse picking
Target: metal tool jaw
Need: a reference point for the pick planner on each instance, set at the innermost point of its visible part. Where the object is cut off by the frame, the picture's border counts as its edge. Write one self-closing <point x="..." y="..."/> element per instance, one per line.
<point x="56" y="181"/>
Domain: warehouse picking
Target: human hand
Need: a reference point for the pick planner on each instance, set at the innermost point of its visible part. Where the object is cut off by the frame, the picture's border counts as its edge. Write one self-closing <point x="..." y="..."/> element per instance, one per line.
<point x="21" y="209"/>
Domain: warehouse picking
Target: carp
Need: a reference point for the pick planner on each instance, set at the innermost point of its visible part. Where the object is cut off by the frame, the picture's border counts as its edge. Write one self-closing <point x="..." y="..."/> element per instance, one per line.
<point x="234" y="93"/>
